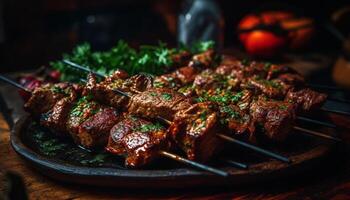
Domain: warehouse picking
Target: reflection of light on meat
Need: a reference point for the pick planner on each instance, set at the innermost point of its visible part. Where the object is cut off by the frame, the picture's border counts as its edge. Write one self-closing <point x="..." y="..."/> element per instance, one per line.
<point x="118" y="135"/>
<point x="135" y="140"/>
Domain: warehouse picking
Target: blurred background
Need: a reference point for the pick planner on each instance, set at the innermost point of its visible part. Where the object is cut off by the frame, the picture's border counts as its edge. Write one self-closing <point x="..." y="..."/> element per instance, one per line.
<point x="32" y="33"/>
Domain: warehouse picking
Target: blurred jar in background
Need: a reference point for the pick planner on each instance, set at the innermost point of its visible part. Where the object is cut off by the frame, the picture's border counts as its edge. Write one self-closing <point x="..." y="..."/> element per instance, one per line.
<point x="200" y="20"/>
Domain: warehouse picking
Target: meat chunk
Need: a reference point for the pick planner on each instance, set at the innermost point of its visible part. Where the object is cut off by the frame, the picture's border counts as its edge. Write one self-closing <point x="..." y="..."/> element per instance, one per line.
<point x="158" y="102"/>
<point x="186" y="74"/>
<point x="56" y="119"/>
<point x="209" y="80"/>
<point x="236" y="120"/>
<point x="103" y="91"/>
<point x="82" y="110"/>
<point x="276" y="118"/>
<point x="44" y="98"/>
<point x="272" y="89"/>
<point x="194" y="130"/>
<point x="167" y="81"/>
<point x="94" y="132"/>
<point x="203" y="60"/>
<point x="180" y="59"/>
<point x="306" y="99"/>
<point x="139" y="139"/>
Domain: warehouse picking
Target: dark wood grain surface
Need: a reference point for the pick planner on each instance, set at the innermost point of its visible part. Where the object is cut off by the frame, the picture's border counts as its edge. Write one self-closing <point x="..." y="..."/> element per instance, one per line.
<point x="330" y="180"/>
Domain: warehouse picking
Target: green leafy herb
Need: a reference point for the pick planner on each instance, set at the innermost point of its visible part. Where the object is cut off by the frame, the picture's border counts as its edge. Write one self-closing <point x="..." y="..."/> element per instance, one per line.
<point x="245" y="62"/>
<point x="148" y="59"/>
<point x="150" y="127"/>
<point x="166" y="96"/>
<point x="267" y="66"/>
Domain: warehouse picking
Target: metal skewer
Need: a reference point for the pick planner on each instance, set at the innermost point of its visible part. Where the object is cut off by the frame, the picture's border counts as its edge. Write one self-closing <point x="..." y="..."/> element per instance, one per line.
<point x="338" y="112"/>
<point x="193" y="163"/>
<point x="326" y="124"/>
<point x="163" y="153"/>
<point x="318" y="134"/>
<point x="224" y="137"/>
<point x="11" y="82"/>
<point x="235" y="163"/>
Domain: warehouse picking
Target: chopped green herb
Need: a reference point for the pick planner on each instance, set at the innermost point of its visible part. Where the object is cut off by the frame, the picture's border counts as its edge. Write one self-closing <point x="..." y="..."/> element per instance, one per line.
<point x="148" y="59"/>
<point x="166" y="96"/>
<point x="267" y="66"/>
<point x="283" y="107"/>
<point x="153" y="94"/>
<point x="150" y="127"/>
<point x="245" y="62"/>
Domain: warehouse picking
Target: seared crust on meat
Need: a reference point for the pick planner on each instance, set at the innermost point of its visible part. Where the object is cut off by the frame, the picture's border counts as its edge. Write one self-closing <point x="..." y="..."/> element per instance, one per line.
<point x="95" y="131"/>
<point x="139" y="139"/>
<point x="275" y="117"/>
<point x="56" y="119"/>
<point x="306" y="99"/>
<point x="44" y="98"/>
<point x="194" y="130"/>
<point x="156" y="102"/>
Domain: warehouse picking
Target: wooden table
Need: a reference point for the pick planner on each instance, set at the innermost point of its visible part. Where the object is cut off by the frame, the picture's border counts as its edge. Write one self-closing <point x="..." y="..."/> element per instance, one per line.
<point x="332" y="180"/>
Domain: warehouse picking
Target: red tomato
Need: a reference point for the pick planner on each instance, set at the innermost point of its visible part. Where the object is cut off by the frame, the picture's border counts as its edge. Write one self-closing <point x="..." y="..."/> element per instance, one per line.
<point x="31" y="85"/>
<point x="264" y="43"/>
<point x="248" y="22"/>
<point x="55" y="75"/>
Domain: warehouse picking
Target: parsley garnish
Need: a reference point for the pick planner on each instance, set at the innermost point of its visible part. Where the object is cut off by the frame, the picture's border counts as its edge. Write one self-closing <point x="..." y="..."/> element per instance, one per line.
<point x="149" y="59"/>
<point x="149" y="127"/>
<point x="166" y="96"/>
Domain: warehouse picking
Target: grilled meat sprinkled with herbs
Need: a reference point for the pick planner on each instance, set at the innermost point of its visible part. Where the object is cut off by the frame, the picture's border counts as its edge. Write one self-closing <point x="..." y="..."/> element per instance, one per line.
<point x="194" y="129"/>
<point x="139" y="140"/>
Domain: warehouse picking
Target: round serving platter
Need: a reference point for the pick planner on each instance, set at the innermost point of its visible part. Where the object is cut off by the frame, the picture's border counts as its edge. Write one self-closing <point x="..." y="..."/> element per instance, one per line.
<point x="62" y="160"/>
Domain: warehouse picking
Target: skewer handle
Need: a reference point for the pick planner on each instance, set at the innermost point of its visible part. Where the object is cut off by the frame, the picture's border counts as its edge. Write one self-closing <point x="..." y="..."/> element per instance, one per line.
<point x="254" y="148"/>
<point x="193" y="164"/>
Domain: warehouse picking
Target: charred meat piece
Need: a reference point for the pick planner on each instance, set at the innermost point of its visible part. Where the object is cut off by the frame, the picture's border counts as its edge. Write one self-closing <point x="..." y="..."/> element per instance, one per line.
<point x="44" y="98"/>
<point x="94" y="132"/>
<point x="138" y="83"/>
<point x="180" y="59"/>
<point x="194" y="130"/>
<point x="82" y="110"/>
<point x="103" y="91"/>
<point x="245" y="99"/>
<point x="167" y="81"/>
<point x="291" y="79"/>
<point x="188" y="90"/>
<point x="236" y="120"/>
<point x="158" y="102"/>
<point x="139" y="139"/>
<point x="275" y="70"/>
<point x="306" y="99"/>
<point x="273" y="89"/>
<point x="56" y="119"/>
<point x="203" y="60"/>
<point x="242" y="70"/>
<point x="209" y="80"/>
<point x="274" y="117"/>
<point x="186" y="74"/>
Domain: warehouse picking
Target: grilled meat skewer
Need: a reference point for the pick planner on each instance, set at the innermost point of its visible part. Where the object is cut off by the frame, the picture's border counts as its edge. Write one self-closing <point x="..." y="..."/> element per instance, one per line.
<point x="285" y="129"/>
<point x="100" y="122"/>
